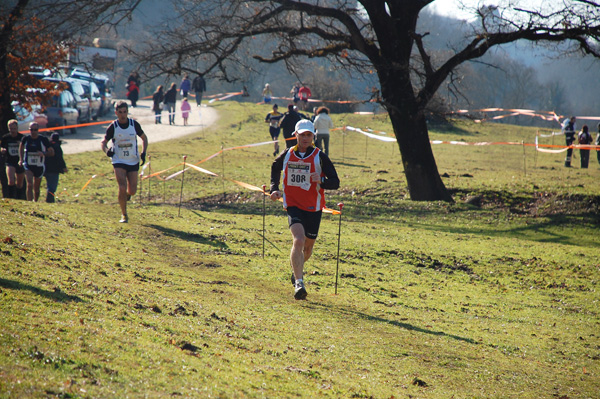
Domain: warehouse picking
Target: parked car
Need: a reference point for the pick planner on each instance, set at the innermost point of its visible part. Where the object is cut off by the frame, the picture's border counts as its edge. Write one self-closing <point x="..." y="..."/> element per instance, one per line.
<point x="104" y="85"/>
<point x="81" y="101"/>
<point x="62" y="111"/>
<point x="93" y="94"/>
<point x="25" y="117"/>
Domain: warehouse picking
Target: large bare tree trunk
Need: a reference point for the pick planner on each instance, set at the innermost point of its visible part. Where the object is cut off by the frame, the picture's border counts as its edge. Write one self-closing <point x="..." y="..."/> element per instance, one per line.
<point x="422" y="176"/>
<point x="410" y="128"/>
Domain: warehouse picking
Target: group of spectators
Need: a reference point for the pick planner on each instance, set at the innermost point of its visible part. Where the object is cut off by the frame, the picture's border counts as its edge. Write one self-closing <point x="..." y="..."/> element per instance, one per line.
<point x="167" y="100"/>
<point x="300" y="95"/>
<point x="286" y="122"/>
<point x="584" y="137"/>
<point x="26" y="159"/>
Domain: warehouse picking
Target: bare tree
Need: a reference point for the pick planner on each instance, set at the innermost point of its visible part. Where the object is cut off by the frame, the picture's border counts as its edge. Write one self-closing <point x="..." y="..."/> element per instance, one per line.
<point x="366" y="36"/>
<point x="35" y="33"/>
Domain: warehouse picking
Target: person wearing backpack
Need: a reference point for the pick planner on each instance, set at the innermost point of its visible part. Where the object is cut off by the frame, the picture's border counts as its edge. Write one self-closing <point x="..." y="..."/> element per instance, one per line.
<point x="584" y="138"/>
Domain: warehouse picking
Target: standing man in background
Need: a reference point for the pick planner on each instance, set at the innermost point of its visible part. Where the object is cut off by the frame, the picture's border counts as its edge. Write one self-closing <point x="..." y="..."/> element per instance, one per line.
<point x="288" y="124"/>
<point x="199" y="87"/>
<point x="584" y="138"/>
<point x="55" y="165"/>
<point x="304" y="93"/>
<point x="568" y="129"/>
<point x="323" y="124"/>
<point x="123" y="134"/>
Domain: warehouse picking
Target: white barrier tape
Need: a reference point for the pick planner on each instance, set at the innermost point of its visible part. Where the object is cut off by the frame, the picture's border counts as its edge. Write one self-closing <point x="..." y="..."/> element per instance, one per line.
<point x="551" y="134"/>
<point x="371" y="135"/>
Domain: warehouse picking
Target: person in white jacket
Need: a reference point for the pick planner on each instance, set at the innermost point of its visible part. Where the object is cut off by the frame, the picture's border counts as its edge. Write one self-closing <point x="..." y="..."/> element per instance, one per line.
<point x="323" y="124"/>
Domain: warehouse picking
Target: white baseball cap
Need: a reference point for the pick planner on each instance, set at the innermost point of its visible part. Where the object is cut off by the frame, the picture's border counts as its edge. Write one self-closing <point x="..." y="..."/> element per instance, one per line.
<point x="304" y="125"/>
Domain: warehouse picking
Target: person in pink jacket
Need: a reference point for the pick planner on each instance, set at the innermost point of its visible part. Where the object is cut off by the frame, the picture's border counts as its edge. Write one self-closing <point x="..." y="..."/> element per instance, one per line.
<point x="185" y="110"/>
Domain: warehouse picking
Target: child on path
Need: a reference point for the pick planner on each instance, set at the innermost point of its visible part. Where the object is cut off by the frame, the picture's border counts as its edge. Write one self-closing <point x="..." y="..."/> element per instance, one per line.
<point x="185" y="110"/>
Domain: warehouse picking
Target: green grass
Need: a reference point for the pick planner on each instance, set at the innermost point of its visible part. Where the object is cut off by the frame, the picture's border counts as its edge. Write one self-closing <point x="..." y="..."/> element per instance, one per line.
<point x="434" y="300"/>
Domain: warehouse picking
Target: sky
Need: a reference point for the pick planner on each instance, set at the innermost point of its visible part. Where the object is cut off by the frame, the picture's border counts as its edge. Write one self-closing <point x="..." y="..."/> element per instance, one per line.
<point x="452" y="8"/>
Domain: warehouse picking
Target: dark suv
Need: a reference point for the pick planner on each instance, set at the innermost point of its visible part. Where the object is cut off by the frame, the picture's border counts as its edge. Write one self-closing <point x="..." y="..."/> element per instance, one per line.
<point x="104" y="85"/>
<point x="93" y="94"/>
<point x="62" y="111"/>
<point x="82" y="103"/>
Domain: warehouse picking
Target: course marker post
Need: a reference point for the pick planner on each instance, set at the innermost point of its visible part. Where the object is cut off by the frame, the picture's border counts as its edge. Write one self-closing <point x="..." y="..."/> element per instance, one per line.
<point x="181" y="192"/>
<point x="150" y="180"/>
<point x="264" y="187"/>
<point x="337" y="267"/>
<point x="344" y="145"/>
<point x="524" y="158"/>
<point x="140" y="189"/>
<point x="223" y="169"/>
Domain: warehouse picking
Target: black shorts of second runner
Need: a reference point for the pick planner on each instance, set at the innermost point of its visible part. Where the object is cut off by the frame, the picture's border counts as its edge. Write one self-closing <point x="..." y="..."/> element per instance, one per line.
<point x="18" y="169"/>
<point x="38" y="171"/>
<point x="309" y="220"/>
<point x="128" y="168"/>
<point x="274" y="131"/>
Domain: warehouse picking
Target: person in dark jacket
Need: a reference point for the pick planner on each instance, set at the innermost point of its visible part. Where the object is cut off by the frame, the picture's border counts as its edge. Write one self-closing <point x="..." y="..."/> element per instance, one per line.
<point x="584" y="138"/>
<point x="185" y="85"/>
<point x="598" y="143"/>
<point x="133" y="93"/>
<point x="157" y="106"/>
<point x="288" y="126"/>
<point x="170" y="100"/>
<point x="55" y="165"/>
<point x="199" y="87"/>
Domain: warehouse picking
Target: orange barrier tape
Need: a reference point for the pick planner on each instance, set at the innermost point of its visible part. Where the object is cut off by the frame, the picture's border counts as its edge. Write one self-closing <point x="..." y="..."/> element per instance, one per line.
<point x="48" y="129"/>
<point x="87" y="184"/>
<point x="314" y="100"/>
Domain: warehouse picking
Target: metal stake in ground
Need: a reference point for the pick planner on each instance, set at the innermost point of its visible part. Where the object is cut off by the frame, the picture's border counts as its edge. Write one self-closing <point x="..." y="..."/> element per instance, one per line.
<point x="223" y="169"/>
<point x="150" y="180"/>
<point x="181" y="192"/>
<point x="264" y="187"/>
<point x="337" y="267"/>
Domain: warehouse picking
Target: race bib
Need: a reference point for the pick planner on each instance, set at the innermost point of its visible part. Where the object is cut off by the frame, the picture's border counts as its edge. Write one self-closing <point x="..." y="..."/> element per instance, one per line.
<point x="13" y="149"/>
<point x="126" y="150"/>
<point x="35" y="160"/>
<point x="298" y="175"/>
<point x="274" y="123"/>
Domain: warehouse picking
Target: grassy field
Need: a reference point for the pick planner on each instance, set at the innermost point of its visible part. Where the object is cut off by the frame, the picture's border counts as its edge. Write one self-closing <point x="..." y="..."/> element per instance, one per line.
<point x="434" y="300"/>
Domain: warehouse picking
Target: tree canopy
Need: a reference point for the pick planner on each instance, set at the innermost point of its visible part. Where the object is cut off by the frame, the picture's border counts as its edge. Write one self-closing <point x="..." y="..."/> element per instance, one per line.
<point x="36" y="35"/>
<point x="365" y="36"/>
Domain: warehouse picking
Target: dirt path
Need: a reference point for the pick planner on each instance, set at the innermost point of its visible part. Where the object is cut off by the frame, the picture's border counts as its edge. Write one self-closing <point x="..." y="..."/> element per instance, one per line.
<point x="88" y="138"/>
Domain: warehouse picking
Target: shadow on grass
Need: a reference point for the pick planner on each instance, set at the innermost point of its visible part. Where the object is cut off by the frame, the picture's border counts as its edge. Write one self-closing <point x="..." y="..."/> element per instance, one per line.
<point x="405" y="326"/>
<point x="547" y="231"/>
<point x="193" y="237"/>
<point x="352" y="165"/>
<point x="56" y="295"/>
<point x="448" y="128"/>
<point x="550" y="228"/>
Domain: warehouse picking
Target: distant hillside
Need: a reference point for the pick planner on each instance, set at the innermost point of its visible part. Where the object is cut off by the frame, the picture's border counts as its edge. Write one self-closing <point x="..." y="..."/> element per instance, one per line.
<point x="567" y="86"/>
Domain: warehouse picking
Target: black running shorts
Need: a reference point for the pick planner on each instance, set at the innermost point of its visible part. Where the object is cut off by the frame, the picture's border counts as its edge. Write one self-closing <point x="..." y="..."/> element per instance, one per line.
<point x="128" y="168"/>
<point x="309" y="220"/>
